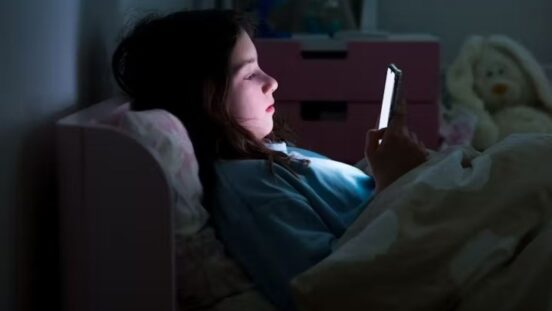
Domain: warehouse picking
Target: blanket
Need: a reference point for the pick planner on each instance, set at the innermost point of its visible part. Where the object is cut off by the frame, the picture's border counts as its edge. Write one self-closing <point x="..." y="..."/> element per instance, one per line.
<point x="464" y="231"/>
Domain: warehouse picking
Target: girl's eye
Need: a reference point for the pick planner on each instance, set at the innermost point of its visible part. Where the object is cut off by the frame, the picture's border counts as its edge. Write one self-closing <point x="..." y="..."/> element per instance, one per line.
<point x="251" y="76"/>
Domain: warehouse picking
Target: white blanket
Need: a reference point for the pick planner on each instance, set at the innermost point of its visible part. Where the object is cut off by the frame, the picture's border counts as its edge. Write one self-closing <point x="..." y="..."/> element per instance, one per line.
<point x="448" y="236"/>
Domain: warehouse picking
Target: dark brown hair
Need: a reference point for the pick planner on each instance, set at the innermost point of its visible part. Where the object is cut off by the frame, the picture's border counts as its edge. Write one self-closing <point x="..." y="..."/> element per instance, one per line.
<point x="181" y="63"/>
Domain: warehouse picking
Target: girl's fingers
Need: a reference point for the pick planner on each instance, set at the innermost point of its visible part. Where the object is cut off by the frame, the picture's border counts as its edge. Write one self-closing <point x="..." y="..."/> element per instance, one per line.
<point x="397" y="121"/>
<point x="398" y="117"/>
<point x="372" y="141"/>
<point x="401" y="107"/>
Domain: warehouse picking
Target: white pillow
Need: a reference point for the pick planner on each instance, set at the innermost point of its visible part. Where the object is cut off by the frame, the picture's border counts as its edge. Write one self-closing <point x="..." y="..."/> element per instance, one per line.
<point x="205" y="274"/>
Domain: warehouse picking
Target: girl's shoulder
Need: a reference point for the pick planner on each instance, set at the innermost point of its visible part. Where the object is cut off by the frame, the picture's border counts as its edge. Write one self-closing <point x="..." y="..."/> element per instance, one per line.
<point x="248" y="169"/>
<point x="254" y="181"/>
<point x="294" y="151"/>
<point x="304" y="153"/>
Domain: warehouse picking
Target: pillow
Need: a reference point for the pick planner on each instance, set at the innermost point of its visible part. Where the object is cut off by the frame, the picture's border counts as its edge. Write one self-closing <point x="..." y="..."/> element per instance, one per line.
<point x="205" y="274"/>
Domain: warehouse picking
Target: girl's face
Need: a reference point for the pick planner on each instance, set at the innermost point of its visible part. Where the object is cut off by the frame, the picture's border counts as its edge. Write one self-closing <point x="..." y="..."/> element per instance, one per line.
<point x="250" y="95"/>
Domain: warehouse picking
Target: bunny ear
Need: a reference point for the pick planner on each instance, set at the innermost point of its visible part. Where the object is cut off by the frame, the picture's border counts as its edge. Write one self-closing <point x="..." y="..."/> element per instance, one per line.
<point x="460" y="75"/>
<point x="529" y="64"/>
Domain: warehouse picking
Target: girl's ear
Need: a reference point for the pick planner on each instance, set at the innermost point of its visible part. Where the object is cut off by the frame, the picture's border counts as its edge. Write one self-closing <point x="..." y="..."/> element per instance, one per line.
<point x="460" y="74"/>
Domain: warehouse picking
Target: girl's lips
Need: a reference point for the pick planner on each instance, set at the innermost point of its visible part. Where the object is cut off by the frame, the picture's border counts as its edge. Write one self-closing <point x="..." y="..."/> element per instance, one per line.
<point x="270" y="108"/>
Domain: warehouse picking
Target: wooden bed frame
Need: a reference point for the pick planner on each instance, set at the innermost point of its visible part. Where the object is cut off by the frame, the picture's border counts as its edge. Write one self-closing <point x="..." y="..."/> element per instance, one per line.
<point x="116" y="217"/>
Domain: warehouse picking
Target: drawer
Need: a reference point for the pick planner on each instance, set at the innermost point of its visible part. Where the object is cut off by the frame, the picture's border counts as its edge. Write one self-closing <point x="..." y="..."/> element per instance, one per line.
<point x="339" y="131"/>
<point x="354" y="74"/>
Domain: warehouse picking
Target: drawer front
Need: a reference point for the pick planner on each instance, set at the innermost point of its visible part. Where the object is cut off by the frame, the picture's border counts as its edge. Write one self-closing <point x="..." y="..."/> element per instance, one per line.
<point x="340" y="133"/>
<point x="355" y="75"/>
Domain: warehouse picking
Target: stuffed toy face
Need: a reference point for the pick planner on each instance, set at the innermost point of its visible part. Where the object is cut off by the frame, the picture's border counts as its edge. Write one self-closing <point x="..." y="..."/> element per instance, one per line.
<point x="500" y="82"/>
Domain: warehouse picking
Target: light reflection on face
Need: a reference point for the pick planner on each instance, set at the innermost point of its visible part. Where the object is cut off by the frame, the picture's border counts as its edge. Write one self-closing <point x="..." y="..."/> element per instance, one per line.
<point x="250" y="96"/>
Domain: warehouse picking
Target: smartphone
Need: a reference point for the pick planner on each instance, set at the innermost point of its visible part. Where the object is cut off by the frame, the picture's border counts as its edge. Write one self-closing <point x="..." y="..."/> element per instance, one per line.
<point x="391" y="94"/>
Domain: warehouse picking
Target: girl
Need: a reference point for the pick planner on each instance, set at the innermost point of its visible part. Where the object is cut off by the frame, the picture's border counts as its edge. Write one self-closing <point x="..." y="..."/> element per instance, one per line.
<point x="278" y="209"/>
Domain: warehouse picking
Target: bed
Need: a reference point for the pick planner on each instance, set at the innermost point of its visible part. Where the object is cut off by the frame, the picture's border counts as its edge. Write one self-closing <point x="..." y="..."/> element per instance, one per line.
<point x="120" y="244"/>
<point x="114" y="204"/>
<point x="134" y="235"/>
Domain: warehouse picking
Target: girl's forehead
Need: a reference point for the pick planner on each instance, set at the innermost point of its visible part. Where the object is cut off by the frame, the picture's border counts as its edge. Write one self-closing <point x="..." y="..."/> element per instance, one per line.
<point x="244" y="53"/>
<point x="244" y="47"/>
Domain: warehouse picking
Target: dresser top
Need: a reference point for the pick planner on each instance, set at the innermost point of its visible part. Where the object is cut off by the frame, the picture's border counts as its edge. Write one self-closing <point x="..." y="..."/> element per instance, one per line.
<point x="317" y="42"/>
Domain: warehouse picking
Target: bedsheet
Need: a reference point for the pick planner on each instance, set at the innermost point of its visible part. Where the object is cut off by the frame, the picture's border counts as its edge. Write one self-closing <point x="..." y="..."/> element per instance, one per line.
<point x="464" y="231"/>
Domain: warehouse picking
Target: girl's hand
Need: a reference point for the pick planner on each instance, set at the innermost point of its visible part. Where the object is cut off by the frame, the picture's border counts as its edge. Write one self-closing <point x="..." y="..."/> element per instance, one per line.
<point x="399" y="151"/>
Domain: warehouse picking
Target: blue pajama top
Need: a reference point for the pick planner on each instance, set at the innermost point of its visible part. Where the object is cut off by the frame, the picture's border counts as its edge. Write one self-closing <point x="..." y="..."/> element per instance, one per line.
<point x="277" y="225"/>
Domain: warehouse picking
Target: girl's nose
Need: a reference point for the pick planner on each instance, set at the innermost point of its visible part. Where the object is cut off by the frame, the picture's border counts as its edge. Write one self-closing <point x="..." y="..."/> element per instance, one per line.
<point x="271" y="84"/>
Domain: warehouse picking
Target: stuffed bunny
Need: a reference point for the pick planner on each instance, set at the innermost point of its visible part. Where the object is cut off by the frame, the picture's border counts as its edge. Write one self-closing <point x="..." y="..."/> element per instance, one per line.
<point x="500" y="82"/>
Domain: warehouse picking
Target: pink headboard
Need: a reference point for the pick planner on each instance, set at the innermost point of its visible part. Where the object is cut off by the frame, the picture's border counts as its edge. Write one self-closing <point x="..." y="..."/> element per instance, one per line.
<point x="116" y="217"/>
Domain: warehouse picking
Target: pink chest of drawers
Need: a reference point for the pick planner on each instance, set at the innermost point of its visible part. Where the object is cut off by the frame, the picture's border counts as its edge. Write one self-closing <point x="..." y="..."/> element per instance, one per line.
<point x="331" y="98"/>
